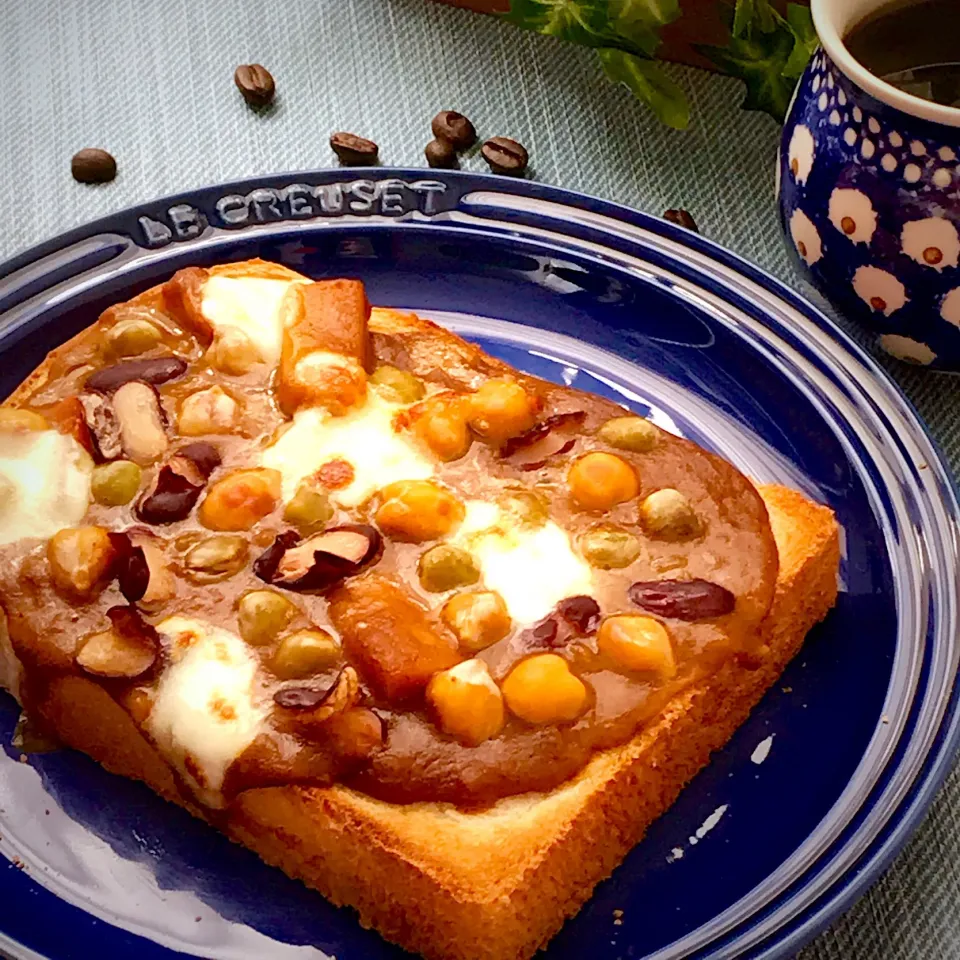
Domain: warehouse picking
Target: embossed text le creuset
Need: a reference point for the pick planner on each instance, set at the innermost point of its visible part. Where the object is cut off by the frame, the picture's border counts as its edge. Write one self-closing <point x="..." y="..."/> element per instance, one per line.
<point x="869" y="185"/>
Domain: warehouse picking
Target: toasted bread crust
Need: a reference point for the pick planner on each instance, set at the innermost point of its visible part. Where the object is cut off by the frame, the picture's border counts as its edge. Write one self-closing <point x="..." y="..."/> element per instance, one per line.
<point x="495" y="884"/>
<point x="498" y="884"/>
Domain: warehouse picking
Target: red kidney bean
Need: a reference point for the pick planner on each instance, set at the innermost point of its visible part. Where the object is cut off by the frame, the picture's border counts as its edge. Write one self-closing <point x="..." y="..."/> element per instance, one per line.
<point x="682" y="599"/>
<point x="154" y="371"/>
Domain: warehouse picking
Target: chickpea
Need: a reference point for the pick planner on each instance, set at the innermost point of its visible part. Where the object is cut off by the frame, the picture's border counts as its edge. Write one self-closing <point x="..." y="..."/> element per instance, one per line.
<point x="445" y="567"/>
<point x="241" y="499"/>
<point x="354" y="733"/>
<point x="80" y="559"/>
<point x="501" y="409"/>
<point x="310" y="506"/>
<point x="233" y="352"/>
<point x="397" y="385"/>
<point x="668" y="514"/>
<point x="15" y="420"/>
<point x="441" y="424"/>
<point x="467" y="703"/>
<point x="304" y="653"/>
<point x="637" y="643"/>
<point x="609" y="547"/>
<point x="262" y="614"/>
<point x="208" y="411"/>
<point x="418" y="510"/>
<point x="629" y="433"/>
<point x="116" y="483"/>
<point x="129" y="338"/>
<point x="542" y="690"/>
<point x="598" y="481"/>
<point x="478" y="619"/>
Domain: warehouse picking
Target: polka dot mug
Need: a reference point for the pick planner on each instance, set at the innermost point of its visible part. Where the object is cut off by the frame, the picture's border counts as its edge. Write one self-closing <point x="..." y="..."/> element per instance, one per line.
<point x="869" y="187"/>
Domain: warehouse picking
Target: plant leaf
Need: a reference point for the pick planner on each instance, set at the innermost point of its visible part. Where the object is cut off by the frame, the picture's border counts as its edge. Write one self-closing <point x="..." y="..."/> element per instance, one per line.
<point x="577" y="21"/>
<point x="805" y="41"/>
<point x="751" y="17"/>
<point x="639" y="21"/>
<point x="650" y="84"/>
<point x="760" y="61"/>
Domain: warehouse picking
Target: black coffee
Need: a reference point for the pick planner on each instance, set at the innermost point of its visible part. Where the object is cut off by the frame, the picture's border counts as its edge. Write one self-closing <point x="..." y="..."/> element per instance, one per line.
<point x="914" y="45"/>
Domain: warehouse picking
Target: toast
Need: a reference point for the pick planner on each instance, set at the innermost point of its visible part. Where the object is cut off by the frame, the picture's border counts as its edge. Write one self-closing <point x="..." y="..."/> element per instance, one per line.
<point x="448" y="832"/>
<point x="495" y="884"/>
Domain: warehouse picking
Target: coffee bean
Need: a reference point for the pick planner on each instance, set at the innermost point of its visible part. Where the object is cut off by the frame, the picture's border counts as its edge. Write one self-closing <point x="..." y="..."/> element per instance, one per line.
<point x="93" y="166"/>
<point x="440" y="153"/>
<point x="455" y="129"/>
<point x="354" y="151"/>
<point x="255" y="83"/>
<point x="682" y="219"/>
<point x="505" y="156"/>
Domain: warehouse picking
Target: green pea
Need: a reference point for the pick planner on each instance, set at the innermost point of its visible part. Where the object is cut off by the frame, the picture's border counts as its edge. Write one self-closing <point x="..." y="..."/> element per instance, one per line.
<point x="629" y="433"/>
<point x="397" y="385"/>
<point x="215" y="558"/>
<point x="116" y="483"/>
<point x="445" y="567"/>
<point x="310" y="507"/>
<point x="669" y="515"/>
<point x="609" y="547"/>
<point x="132" y="337"/>
<point x="262" y="614"/>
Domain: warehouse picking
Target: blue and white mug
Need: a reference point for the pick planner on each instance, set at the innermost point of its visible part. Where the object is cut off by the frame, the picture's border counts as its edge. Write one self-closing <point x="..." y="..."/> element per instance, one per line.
<point x="869" y="187"/>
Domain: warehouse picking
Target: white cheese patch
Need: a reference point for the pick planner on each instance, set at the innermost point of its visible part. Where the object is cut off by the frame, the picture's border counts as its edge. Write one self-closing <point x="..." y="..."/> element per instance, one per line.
<point x="250" y="305"/>
<point x="533" y="570"/>
<point x="44" y="484"/>
<point x="365" y="438"/>
<point x="208" y="707"/>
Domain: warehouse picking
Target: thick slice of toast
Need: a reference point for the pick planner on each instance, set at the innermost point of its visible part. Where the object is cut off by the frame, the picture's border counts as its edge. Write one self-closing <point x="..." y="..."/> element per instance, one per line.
<point x="497" y="885"/>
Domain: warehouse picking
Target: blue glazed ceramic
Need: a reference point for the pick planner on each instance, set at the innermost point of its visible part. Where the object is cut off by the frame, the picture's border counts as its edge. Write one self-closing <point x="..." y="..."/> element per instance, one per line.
<point x="869" y="185"/>
<point x="812" y="796"/>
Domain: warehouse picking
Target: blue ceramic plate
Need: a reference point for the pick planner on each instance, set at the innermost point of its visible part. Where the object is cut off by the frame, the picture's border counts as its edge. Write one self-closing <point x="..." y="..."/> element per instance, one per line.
<point x="814" y="794"/>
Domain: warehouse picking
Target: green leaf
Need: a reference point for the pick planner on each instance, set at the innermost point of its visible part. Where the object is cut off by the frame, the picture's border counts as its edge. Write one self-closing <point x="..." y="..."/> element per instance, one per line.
<point x="752" y="17"/>
<point x="650" y="84"/>
<point x="759" y="61"/>
<point x="639" y="21"/>
<point x="805" y="40"/>
<point x="576" y="21"/>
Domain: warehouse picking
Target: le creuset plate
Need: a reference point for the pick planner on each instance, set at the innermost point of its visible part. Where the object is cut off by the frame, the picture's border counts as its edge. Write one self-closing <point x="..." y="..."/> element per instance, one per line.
<point x="814" y="794"/>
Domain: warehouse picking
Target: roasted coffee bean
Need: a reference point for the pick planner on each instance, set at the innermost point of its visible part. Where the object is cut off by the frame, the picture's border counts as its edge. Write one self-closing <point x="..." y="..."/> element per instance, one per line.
<point x="682" y="219"/>
<point x="682" y="599"/>
<point x="505" y="156"/>
<point x="93" y="165"/>
<point x="154" y="371"/>
<point x="256" y="84"/>
<point x="441" y="155"/>
<point x="354" y="151"/>
<point x="453" y="128"/>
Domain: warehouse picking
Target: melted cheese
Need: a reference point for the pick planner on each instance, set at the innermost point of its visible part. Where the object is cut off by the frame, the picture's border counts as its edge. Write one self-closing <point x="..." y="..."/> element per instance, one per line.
<point x="44" y="484"/>
<point x="365" y="438"/>
<point x="250" y="305"/>
<point x="533" y="570"/>
<point x="208" y="707"/>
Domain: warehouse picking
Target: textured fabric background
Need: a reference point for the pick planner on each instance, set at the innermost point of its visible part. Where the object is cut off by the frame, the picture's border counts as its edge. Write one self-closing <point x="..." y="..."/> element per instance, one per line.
<point x="151" y="81"/>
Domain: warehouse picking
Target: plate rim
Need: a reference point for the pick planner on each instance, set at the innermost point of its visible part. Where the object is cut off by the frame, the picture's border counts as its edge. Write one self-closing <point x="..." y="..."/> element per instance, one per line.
<point x="822" y="909"/>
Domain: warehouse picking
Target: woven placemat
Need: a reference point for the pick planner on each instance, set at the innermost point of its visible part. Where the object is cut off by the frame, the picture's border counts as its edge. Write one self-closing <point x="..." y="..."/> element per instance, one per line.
<point x="152" y="83"/>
